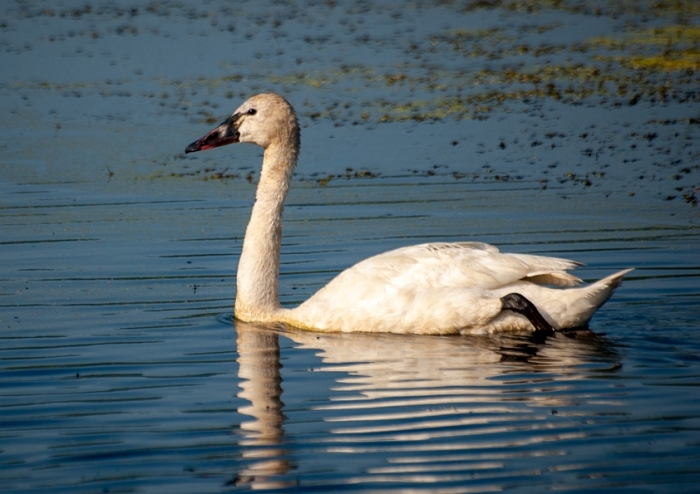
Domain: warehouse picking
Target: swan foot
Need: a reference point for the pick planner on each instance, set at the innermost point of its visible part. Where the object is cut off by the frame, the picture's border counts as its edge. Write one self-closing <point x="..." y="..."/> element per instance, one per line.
<point x="517" y="303"/>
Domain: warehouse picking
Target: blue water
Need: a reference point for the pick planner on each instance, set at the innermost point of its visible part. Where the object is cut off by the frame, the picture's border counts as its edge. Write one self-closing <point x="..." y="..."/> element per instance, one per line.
<point x="119" y="375"/>
<point x="121" y="368"/>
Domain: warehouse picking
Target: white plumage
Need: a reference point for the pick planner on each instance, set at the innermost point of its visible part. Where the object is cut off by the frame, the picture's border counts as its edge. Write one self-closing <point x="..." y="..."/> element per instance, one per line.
<point x="436" y="288"/>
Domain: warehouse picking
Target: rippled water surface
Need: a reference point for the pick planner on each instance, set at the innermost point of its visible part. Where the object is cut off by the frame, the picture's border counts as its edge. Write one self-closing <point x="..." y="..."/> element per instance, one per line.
<point x="121" y="369"/>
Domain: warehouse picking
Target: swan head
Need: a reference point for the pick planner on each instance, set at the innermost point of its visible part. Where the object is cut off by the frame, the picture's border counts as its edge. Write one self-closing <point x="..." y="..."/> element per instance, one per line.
<point x="265" y="119"/>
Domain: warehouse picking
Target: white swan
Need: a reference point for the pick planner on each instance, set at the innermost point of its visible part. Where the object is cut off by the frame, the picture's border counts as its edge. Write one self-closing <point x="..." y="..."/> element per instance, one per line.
<point x="437" y="288"/>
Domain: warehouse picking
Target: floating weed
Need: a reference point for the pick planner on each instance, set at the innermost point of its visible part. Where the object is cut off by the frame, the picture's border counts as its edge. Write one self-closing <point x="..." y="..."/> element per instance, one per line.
<point x="464" y="40"/>
<point x="642" y="65"/>
<point x="324" y="181"/>
<point x="301" y="78"/>
<point x="690" y="198"/>
<point x="200" y="174"/>
<point x="665" y="49"/>
<point x="686" y="35"/>
<point x="616" y="8"/>
<point x="689" y="61"/>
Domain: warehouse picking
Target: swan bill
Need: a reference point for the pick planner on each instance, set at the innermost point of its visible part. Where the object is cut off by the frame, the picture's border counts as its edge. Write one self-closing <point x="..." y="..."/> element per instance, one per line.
<point x="226" y="133"/>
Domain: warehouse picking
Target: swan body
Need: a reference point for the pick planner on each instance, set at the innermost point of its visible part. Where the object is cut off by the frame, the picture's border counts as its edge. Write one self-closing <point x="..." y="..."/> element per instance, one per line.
<point x="435" y="288"/>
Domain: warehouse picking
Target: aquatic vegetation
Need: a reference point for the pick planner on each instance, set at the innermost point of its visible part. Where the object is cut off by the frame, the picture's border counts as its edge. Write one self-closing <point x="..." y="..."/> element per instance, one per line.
<point x="516" y="62"/>
<point x="370" y="65"/>
<point x="666" y="49"/>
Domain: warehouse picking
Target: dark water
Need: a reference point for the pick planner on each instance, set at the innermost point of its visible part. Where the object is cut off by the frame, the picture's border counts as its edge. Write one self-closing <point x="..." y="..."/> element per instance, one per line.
<point x="121" y="369"/>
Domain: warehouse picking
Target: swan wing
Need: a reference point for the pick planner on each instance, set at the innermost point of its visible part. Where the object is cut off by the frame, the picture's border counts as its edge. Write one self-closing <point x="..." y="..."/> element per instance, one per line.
<point x="466" y="264"/>
<point x="430" y="272"/>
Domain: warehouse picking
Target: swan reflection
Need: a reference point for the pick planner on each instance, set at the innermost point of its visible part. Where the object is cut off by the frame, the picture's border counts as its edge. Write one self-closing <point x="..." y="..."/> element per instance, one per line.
<point x="261" y="385"/>
<point x="398" y="391"/>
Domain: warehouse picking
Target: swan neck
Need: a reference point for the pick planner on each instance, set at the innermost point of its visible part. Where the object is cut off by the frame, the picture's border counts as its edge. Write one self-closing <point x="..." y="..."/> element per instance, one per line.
<point x="258" y="269"/>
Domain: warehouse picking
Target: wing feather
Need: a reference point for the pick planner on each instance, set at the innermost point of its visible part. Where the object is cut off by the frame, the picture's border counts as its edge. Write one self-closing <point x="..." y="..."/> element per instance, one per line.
<point x="448" y="265"/>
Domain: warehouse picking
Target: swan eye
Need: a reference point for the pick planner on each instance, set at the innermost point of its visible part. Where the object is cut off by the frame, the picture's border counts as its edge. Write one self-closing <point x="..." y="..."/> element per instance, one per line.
<point x="252" y="111"/>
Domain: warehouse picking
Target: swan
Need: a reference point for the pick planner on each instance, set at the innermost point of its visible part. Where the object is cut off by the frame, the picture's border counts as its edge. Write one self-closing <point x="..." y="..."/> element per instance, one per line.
<point x="434" y="288"/>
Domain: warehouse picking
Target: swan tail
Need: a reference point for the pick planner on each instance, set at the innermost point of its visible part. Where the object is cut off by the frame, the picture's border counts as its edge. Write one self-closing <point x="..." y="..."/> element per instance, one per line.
<point x="601" y="290"/>
<point x="594" y="296"/>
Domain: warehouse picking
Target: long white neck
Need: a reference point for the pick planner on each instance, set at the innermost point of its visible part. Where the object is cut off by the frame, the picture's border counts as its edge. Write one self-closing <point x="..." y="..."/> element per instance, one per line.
<point x="258" y="269"/>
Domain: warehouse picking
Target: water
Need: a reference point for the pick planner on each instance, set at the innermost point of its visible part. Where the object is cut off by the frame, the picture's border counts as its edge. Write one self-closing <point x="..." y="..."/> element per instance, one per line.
<point x="121" y="367"/>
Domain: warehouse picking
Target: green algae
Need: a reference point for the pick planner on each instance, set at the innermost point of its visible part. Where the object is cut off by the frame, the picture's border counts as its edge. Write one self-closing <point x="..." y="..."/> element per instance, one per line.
<point x="527" y="54"/>
<point x="666" y="49"/>
<point x="514" y="62"/>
